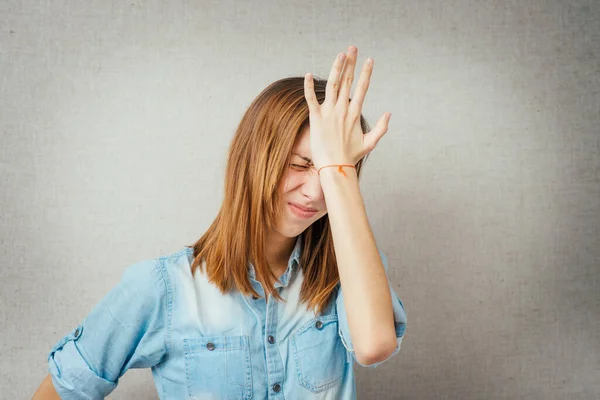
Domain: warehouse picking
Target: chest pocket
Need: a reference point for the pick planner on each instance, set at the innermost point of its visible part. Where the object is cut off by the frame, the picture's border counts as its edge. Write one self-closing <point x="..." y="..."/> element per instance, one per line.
<point x="319" y="353"/>
<point x="218" y="366"/>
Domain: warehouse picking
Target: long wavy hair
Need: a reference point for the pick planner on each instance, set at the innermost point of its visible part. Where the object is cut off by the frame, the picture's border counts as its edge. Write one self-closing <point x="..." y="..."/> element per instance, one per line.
<point x="258" y="157"/>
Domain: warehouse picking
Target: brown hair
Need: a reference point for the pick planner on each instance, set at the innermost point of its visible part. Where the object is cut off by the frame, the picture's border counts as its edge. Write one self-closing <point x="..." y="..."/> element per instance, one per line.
<point x="258" y="155"/>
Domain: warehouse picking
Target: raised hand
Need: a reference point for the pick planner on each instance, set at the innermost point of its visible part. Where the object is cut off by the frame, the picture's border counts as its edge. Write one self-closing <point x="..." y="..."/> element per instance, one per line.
<point x="336" y="136"/>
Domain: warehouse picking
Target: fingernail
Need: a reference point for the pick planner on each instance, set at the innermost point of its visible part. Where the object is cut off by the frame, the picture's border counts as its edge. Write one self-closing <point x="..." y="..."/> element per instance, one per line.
<point x="369" y="61"/>
<point x="342" y="56"/>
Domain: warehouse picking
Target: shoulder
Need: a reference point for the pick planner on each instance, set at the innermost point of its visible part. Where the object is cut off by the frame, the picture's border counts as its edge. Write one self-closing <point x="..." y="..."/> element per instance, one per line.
<point x="143" y="277"/>
<point x="175" y="265"/>
<point x="146" y="291"/>
<point x="151" y="279"/>
<point x="176" y="259"/>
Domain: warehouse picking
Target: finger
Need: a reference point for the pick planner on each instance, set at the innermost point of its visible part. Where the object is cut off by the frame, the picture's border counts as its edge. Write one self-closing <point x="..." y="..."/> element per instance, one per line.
<point x="333" y="82"/>
<point x="372" y="138"/>
<point x="309" y="93"/>
<point x="347" y="76"/>
<point x="361" y="88"/>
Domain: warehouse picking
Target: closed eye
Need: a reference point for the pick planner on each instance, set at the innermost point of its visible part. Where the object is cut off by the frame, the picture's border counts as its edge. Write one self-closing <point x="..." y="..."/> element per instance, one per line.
<point x="299" y="166"/>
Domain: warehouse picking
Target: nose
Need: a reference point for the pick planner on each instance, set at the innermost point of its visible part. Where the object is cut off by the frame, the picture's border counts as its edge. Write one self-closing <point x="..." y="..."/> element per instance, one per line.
<point x="311" y="187"/>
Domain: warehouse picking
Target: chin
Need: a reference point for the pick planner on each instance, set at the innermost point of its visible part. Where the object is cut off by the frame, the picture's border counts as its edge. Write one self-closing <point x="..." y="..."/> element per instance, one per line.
<point x="291" y="232"/>
<point x="291" y="229"/>
<point x="295" y="229"/>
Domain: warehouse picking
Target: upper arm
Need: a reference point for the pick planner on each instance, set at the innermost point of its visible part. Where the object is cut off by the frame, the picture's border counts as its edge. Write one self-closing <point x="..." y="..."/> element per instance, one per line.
<point x="126" y="329"/>
<point x="399" y="318"/>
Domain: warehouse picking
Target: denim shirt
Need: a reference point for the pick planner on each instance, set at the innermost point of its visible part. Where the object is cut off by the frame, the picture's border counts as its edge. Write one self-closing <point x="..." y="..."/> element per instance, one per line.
<point x="202" y="344"/>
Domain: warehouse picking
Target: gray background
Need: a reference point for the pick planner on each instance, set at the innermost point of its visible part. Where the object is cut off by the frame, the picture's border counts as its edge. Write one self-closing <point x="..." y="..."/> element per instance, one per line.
<point x="116" y="118"/>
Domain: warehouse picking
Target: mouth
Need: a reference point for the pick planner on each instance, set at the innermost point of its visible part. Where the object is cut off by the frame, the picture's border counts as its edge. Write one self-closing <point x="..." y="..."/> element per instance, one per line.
<point x="302" y="212"/>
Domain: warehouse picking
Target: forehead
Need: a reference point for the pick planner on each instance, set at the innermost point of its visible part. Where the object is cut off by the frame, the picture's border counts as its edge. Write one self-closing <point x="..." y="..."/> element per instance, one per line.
<point x="302" y="145"/>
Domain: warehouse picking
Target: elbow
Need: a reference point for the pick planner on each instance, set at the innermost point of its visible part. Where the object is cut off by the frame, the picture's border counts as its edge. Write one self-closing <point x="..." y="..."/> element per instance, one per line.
<point x="377" y="352"/>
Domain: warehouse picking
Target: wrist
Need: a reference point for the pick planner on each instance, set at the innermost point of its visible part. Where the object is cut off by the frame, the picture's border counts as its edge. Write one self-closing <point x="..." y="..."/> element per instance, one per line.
<point x="338" y="173"/>
<point x="337" y="168"/>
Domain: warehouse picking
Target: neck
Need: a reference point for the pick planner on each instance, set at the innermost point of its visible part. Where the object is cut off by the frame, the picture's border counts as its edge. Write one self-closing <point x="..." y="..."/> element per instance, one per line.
<point x="278" y="249"/>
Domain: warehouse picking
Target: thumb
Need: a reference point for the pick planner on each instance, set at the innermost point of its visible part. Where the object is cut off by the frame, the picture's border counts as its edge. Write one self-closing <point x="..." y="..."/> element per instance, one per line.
<point x="372" y="138"/>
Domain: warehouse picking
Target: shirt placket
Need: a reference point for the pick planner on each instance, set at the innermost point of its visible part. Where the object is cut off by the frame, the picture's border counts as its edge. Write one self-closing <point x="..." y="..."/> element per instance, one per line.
<point x="273" y="356"/>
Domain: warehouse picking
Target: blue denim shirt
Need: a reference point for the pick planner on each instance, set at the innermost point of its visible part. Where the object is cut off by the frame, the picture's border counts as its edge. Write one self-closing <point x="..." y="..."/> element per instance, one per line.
<point x="202" y="344"/>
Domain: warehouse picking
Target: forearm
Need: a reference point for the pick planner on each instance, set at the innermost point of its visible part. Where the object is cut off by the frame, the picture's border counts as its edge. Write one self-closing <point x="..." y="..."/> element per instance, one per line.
<point x="46" y="390"/>
<point x="367" y="297"/>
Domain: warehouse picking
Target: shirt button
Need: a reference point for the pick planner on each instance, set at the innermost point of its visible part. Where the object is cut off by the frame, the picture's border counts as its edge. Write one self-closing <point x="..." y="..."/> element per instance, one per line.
<point x="210" y="346"/>
<point x="319" y="325"/>
<point x="77" y="332"/>
<point x="271" y="339"/>
<point x="277" y="387"/>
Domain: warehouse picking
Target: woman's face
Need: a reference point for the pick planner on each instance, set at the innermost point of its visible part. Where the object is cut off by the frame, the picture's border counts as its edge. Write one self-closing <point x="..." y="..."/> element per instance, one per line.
<point x="300" y="186"/>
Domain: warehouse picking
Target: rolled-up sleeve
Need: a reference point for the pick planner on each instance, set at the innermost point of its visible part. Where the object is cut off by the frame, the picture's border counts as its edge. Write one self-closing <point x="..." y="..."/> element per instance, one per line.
<point x="399" y="318"/>
<point x="127" y="329"/>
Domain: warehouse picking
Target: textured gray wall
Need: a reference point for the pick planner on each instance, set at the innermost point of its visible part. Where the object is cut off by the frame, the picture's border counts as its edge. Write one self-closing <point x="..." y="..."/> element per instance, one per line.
<point x="485" y="193"/>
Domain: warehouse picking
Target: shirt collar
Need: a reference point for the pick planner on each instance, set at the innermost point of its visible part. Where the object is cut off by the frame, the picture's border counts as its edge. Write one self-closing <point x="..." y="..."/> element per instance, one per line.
<point x="293" y="262"/>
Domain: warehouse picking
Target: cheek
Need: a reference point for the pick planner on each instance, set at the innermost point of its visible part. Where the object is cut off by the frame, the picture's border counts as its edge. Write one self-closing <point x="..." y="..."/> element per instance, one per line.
<point x="290" y="182"/>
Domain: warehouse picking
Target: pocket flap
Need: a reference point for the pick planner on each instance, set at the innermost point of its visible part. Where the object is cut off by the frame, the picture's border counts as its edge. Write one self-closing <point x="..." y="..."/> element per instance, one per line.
<point x="215" y="343"/>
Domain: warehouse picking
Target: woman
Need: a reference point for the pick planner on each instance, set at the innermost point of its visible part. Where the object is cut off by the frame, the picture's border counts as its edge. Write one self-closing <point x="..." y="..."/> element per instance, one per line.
<point x="285" y="290"/>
